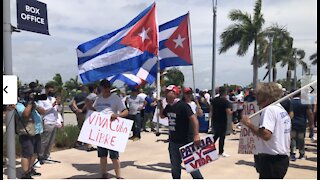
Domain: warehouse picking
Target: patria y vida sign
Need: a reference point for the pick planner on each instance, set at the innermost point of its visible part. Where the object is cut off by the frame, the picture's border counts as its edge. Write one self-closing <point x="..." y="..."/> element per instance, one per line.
<point x="32" y="16"/>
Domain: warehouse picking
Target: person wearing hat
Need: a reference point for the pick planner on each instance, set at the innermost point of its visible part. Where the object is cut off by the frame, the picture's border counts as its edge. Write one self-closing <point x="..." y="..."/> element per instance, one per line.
<point x="183" y="129"/>
<point x="194" y="104"/>
<point x="109" y="103"/>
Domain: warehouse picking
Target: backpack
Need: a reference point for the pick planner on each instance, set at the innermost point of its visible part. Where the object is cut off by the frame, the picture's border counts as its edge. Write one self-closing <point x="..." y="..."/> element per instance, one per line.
<point x="23" y="127"/>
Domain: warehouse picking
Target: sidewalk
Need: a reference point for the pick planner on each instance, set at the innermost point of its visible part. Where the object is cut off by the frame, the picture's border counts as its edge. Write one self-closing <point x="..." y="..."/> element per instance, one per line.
<point x="149" y="159"/>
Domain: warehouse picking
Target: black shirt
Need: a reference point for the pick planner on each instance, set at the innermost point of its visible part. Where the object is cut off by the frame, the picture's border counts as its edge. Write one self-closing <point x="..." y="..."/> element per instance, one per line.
<point x="180" y="127"/>
<point x="219" y="114"/>
<point x="80" y="99"/>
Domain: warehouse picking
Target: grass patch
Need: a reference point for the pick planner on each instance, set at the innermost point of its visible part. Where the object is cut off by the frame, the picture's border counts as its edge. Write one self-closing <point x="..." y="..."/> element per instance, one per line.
<point x="67" y="136"/>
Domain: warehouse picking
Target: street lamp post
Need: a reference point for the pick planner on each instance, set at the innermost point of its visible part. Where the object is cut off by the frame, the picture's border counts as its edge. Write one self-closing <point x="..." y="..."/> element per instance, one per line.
<point x="270" y="55"/>
<point x="214" y="4"/>
<point x="295" y="71"/>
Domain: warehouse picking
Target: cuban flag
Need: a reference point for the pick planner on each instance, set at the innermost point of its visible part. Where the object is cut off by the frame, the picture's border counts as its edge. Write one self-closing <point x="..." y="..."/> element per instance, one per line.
<point x="174" y="50"/>
<point x="123" y="50"/>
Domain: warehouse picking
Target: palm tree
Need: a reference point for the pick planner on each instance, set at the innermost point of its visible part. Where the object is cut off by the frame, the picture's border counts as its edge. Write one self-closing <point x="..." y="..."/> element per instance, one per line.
<point x="313" y="58"/>
<point x="244" y="32"/>
<point x="281" y="47"/>
<point x="296" y="56"/>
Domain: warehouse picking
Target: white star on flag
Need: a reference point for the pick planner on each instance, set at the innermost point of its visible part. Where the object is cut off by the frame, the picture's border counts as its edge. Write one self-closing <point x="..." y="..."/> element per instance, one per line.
<point x="179" y="41"/>
<point x="144" y="34"/>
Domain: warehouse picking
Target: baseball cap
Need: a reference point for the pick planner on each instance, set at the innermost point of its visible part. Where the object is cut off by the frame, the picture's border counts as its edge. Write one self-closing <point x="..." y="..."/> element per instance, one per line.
<point x="187" y="90"/>
<point x="173" y="88"/>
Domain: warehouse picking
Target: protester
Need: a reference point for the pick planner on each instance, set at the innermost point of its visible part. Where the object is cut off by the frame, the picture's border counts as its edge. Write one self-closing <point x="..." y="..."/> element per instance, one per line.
<point x="274" y="130"/>
<point x="88" y="103"/>
<point x="183" y="129"/>
<point x="109" y="103"/>
<point x="150" y="104"/>
<point x="77" y="105"/>
<point x="143" y="96"/>
<point x="50" y="118"/>
<point x="192" y="102"/>
<point x="135" y="104"/>
<point x="221" y="108"/>
<point x="301" y="112"/>
<point x="28" y="127"/>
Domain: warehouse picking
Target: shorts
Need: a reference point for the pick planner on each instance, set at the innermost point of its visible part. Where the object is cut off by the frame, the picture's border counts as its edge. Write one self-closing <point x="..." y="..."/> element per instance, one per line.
<point x="30" y="145"/>
<point x="103" y="152"/>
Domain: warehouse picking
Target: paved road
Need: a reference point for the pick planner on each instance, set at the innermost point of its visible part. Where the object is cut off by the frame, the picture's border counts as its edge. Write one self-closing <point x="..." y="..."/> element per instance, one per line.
<point x="149" y="159"/>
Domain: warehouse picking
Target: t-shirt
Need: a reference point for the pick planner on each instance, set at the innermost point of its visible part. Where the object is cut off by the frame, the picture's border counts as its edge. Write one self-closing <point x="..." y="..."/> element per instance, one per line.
<point x="51" y="115"/>
<point x="149" y="108"/>
<point x="299" y="120"/>
<point x="219" y="114"/>
<point x="134" y="103"/>
<point x="35" y="116"/>
<point x="80" y="99"/>
<point x="180" y="127"/>
<point x="193" y="106"/>
<point x="275" y="119"/>
<point x="111" y="104"/>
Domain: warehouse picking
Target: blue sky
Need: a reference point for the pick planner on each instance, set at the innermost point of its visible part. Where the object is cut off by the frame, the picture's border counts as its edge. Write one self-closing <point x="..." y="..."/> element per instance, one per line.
<point x="73" y="22"/>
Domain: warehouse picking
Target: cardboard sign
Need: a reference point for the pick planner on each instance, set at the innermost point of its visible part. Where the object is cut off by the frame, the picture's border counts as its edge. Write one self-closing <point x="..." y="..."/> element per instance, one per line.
<point x="163" y="121"/>
<point x="99" y="130"/>
<point x="196" y="158"/>
<point x="247" y="142"/>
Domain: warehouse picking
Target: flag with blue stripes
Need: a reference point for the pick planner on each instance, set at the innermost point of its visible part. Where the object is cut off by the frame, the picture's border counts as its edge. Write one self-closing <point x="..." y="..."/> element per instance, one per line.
<point x="123" y="50"/>
<point x="174" y="50"/>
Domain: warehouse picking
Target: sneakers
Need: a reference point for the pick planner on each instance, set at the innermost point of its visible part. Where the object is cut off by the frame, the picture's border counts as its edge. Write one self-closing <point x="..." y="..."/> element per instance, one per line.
<point x="26" y="176"/>
<point x="37" y="165"/>
<point x="135" y="139"/>
<point x="91" y="149"/>
<point x="224" y="155"/>
<point x="33" y="172"/>
<point x="146" y="130"/>
<point x="302" y="157"/>
<point x="104" y="176"/>
<point x="293" y="157"/>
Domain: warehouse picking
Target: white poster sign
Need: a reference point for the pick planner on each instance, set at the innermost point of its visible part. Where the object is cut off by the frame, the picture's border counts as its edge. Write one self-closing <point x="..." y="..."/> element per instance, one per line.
<point x="196" y="158"/>
<point x="163" y="121"/>
<point x="99" y="130"/>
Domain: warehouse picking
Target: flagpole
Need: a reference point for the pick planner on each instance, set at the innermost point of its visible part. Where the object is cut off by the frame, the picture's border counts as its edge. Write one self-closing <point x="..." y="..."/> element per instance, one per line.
<point x="284" y="98"/>
<point x="158" y="95"/>
<point x="214" y="47"/>
<point x="191" y="54"/>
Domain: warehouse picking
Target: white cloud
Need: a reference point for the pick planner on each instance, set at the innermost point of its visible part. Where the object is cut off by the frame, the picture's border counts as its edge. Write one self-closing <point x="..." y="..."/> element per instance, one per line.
<point x="73" y="22"/>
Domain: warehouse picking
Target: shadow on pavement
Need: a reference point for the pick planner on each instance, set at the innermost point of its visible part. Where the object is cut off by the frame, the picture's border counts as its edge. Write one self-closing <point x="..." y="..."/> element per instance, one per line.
<point x="94" y="170"/>
<point x="160" y="167"/>
<point x="243" y="162"/>
<point x="303" y="167"/>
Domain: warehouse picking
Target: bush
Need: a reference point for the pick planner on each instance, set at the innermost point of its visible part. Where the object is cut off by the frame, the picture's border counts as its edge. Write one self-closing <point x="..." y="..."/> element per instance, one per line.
<point x="67" y="136"/>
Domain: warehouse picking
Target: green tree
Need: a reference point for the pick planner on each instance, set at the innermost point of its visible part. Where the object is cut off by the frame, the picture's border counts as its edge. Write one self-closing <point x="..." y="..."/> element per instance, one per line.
<point x="246" y="30"/>
<point x="296" y="57"/>
<point x="174" y="76"/>
<point x="281" y="47"/>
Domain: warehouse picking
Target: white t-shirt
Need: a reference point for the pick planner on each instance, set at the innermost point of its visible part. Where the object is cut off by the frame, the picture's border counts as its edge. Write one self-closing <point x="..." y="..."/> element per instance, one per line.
<point x="51" y="115"/>
<point x="193" y="106"/>
<point x="109" y="105"/>
<point x="276" y="119"/>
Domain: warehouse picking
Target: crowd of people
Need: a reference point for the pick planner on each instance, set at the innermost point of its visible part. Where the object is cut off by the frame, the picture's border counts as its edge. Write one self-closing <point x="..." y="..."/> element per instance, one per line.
<point x="282" y="126"/>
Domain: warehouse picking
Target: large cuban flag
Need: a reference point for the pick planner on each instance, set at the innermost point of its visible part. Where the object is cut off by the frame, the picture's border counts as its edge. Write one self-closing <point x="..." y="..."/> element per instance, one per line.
<point x="123" y="50"/>
<point x="174" y="50"/>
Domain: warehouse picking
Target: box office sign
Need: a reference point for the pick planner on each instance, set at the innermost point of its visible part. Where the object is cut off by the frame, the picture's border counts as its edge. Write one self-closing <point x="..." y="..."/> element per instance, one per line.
<point x="32" y="16"/>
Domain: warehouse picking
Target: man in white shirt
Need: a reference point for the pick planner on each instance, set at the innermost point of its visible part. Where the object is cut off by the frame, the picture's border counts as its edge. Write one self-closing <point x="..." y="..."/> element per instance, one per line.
<point x="274" y="130"/>
<point x="50" y="117"/>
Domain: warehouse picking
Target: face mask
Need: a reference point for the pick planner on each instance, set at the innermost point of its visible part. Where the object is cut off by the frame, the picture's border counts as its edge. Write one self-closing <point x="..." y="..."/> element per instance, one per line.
<point x="50" y="93"/>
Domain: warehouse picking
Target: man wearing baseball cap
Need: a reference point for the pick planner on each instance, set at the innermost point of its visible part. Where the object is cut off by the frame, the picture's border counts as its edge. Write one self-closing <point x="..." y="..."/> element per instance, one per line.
<point x="183" y="129"/>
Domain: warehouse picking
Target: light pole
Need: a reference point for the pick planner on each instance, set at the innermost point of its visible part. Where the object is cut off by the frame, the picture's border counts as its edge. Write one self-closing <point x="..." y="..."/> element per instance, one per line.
<point x="295" y="71"/>
<point x="270" y="55"/>
<point x="214" y="6"/>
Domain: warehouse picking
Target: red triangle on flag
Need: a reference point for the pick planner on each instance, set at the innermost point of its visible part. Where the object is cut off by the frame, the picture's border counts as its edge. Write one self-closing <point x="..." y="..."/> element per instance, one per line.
<point x="143" y="35"/>
<point x="179" y="42"/>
